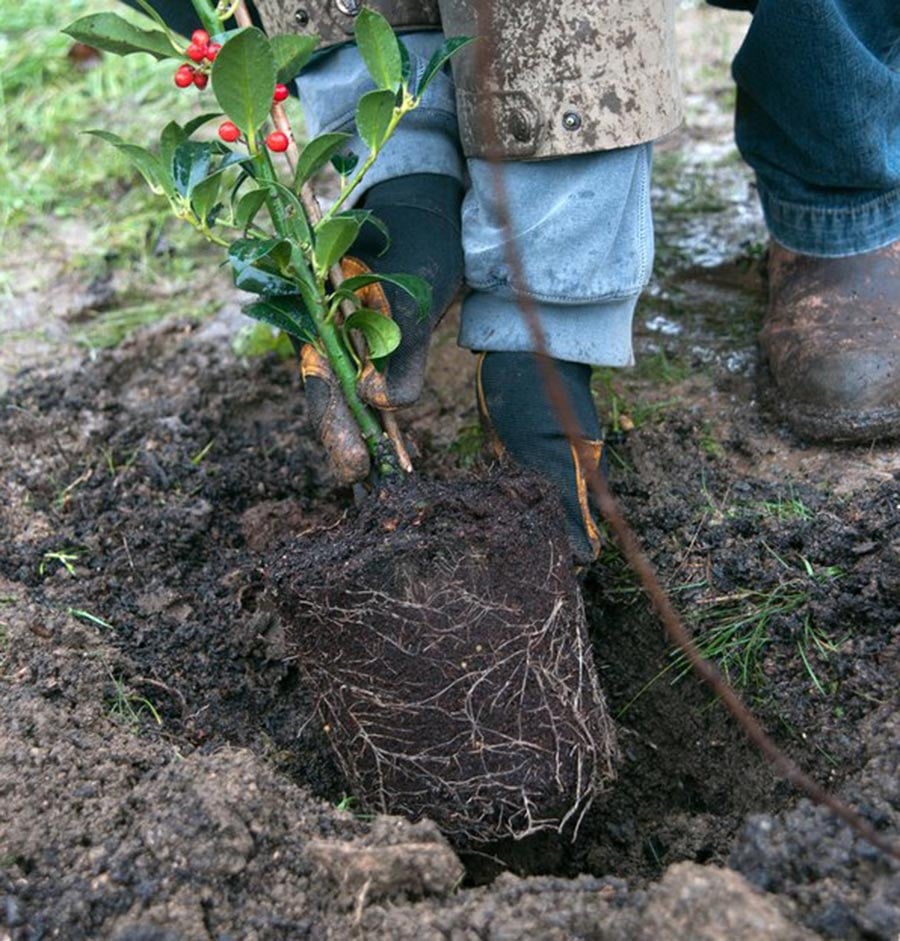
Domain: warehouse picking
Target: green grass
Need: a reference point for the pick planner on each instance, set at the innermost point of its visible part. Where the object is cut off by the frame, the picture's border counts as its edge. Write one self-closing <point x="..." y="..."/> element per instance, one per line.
<point x="735" y="630"/>
<point x="129" y="707"/>
<point x="67" y="196"/>
<point x="48" y="168"/>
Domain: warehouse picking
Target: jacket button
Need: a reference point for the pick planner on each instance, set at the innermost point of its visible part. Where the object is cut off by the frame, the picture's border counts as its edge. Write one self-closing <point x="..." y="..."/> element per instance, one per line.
<point x="301" y="17"/>
<point x="571" y="120"/>
<point x="520" y="126"/>
<point x="349" y="7"/>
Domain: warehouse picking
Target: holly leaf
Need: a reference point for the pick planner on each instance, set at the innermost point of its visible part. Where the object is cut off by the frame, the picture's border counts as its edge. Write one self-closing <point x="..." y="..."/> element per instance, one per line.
<point x="286" y="312"/>
<point x="204" y="197"/>
<point x="111" y="33"/>
<point x="316" y="154"/>
<point x="373" y="117"/>
<point x="333" y="239"/>
<point x="379" y="49"/>
<point x="146" y="163"/>
<point x="440" y="58"/>
<point x="248" y="206"/>
<point x="291" y="53"/>
<point x="296" y="214"/>
<point x="243" y="78"/>
<point x="256" y="264"/>
<point x="190" y="164"/>
<point x="196" y="123"/>
<point x="381" y="333"/>
<point x="345" y="164"/>
<point x="364" y="216"/>
<point x="417" y="288"/>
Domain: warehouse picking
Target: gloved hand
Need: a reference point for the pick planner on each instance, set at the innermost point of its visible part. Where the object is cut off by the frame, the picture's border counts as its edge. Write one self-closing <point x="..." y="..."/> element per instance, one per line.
<point x="421" y="213"/>
<point x="522" y="425"/>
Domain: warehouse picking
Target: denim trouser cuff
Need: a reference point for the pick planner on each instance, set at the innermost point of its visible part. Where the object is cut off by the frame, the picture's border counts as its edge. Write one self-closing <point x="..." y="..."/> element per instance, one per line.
<point x="596" y="333"/>
<point x="832" y="231"/>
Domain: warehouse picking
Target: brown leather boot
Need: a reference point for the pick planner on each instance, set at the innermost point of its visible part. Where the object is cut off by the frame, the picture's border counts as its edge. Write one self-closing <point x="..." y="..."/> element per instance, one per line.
<point x="832" y="340"/>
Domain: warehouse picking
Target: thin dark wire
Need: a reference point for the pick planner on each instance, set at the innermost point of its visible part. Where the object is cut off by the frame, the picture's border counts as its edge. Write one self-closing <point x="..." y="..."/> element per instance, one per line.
<point x="627" y="540"/>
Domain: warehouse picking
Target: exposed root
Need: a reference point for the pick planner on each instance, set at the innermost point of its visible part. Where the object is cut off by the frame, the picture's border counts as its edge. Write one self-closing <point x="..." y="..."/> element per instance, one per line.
<point x="455" y="687"/>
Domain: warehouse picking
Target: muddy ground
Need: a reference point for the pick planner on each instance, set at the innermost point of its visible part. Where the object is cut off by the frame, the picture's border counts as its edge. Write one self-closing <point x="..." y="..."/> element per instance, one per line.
<point x="162" y="774"/>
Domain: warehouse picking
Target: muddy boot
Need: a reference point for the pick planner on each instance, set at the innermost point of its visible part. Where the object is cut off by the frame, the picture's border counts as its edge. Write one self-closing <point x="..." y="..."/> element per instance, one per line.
<point x="832" y="340"/>
<point x="422" y="215"/>
<point x="521" y="425"/>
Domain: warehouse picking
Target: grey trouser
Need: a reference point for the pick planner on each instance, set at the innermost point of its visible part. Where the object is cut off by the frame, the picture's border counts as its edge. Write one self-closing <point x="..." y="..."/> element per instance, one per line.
<point x="582" y="223"/>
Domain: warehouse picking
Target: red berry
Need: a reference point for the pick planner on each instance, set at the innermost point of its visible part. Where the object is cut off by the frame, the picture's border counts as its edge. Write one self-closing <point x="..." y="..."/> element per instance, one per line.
<point x="201" y="79"/>
<point x="281" y="92"/>
<point x="195" y="53"/>
<point x="184" y="76"/>
<point x="229" y="132"/>
<point x="212" y="50"/>
<point x="200" y="37"/>
<point x="277" y="141"/>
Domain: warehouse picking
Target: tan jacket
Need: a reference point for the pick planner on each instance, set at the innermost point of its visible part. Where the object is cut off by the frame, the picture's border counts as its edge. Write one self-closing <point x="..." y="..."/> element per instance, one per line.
<point x="568" y="77"/>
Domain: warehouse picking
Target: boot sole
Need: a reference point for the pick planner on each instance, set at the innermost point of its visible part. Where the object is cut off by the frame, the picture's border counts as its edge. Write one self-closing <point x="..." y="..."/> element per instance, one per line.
<point x="845" y="427"/>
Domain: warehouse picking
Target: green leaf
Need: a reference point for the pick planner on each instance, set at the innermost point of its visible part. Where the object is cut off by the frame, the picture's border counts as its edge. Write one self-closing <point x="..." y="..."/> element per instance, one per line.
<point x="259" y="339"/>
<point x="172" y="135"/>
<point x="204" y="196"/>
<point x="345" y="163"/>
<point x="381" y="333"/>
<point x="373" y="117"/>
<point x="291" y="53"/>
<point x="248" y="206"/>
<point x="440" y="58"/>
<point x="316" y="154"/>
<point x="256" y="264"/>
<point x="333" y="238"/>
<point x="147" y="164"/>
<point x="190" y="164"/>
<point x="405" y="63"/>
<point x="196" y="123"/>
<point x="111" y="33"/>
<point x="296" y="215"/>
<point x="284" y="312"/>
<point x="417" y="288"/>
<point x="366" y="216"/>
<point x="243" y="78"/>
<point x="379" y="49"/>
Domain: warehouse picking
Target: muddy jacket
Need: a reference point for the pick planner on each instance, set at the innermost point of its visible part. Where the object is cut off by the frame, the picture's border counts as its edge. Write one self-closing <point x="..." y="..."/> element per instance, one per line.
<point x="567" y="76"/>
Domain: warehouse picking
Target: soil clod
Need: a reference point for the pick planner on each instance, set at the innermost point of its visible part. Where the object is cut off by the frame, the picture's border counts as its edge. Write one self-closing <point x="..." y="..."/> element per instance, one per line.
<point x="443" y="636"/>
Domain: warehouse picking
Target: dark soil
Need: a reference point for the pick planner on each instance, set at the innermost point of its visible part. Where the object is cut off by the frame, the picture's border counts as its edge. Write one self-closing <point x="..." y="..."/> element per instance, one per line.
<point x="443" y="635"/>
<point x="167" y="474"/>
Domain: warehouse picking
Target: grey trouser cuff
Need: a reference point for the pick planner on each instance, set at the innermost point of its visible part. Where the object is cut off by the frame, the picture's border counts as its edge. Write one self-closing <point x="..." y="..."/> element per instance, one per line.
<point x="598" y="334"/>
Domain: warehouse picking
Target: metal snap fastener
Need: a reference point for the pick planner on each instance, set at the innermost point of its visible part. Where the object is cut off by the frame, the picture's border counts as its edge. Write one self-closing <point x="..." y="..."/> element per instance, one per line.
<point x="520" y="126"/>
<point x="301" y="17"/>
<point x="571" y="120"/>
<point x="349" y="7"/>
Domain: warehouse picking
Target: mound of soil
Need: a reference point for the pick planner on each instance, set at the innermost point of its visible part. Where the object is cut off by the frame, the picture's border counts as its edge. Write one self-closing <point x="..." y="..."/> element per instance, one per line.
<point x="144" y="496"/>
<point x="443" y="635"/>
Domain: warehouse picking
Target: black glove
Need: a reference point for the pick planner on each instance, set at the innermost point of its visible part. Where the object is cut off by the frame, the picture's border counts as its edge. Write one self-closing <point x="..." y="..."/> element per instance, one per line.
<point x="522" y="425"/>
<point x="421" y="213"/>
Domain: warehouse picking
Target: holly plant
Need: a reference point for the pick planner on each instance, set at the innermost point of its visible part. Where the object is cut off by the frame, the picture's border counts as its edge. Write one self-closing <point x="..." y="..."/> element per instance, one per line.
<point x="240" y="192"/>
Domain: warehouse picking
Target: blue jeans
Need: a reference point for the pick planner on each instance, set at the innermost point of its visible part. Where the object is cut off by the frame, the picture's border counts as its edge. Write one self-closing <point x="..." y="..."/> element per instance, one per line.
<point x="818" y="119"/>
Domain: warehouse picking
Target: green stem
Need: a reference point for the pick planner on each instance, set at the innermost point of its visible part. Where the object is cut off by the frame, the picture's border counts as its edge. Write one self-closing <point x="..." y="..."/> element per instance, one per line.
<point x="408" y="105"/>
<point x="345" y="370"/>
<point x="207" y="13"/>
<point x="335" y="351"/>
